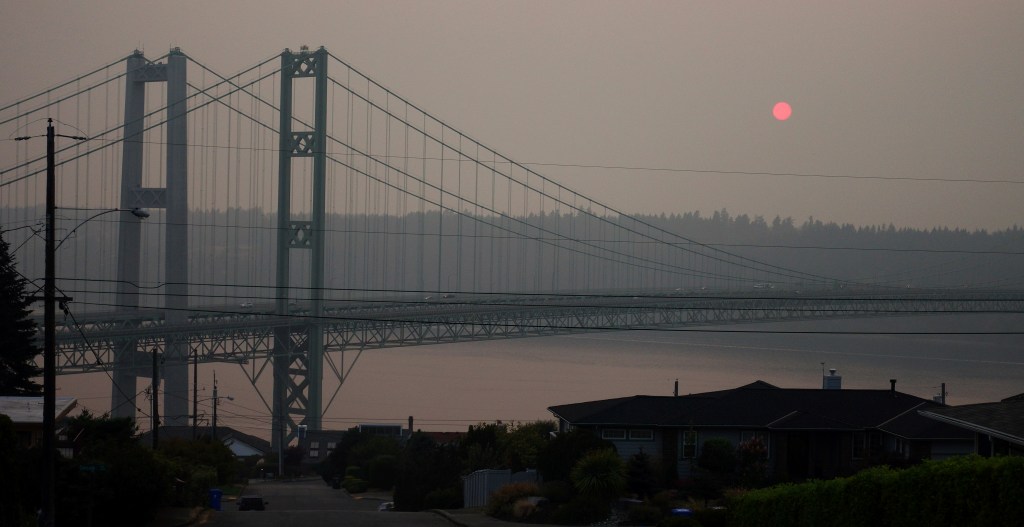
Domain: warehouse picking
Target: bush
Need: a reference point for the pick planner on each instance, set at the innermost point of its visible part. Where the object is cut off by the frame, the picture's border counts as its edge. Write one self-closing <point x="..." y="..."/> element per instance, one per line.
<point x="962" y="491"/>
<point x="355" y="485"/>
<point x="501" y="504"/>
<point x="556" y="491"/>
<point x="443" y="499"/>
<point x="580" y="511"/>
<point x="600" y="475"/>
<point x="383" y="471"/>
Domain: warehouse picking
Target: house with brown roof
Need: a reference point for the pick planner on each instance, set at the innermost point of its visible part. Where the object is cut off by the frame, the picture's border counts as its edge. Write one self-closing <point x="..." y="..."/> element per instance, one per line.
<point x="808" y="433"/>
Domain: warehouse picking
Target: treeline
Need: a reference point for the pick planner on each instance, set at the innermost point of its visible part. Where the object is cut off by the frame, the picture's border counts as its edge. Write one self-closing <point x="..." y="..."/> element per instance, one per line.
<point x="232" y="255"/>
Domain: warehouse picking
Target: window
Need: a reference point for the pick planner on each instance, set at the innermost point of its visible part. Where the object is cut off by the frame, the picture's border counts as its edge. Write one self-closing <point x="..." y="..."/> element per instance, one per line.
<point x="314" y="449"/>
<point x="331" y="445"/>
<point x="613" y="434"/>
<point x="641" y="435"/>
<point x="866" y="444"/>
<point x="689" y="446"/>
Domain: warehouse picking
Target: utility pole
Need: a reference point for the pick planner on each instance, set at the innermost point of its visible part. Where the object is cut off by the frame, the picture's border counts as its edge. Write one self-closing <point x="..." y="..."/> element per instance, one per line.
<point x="195" y="392"/>
<point x="49" y="333"/>
<point x="50" y="328"/>
<point x="214" y="405"/>
<point x="156" y="402"/>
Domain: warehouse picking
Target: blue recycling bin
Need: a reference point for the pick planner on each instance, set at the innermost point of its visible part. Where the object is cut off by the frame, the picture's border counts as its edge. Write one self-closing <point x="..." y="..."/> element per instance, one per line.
<point x="215" y="495"/>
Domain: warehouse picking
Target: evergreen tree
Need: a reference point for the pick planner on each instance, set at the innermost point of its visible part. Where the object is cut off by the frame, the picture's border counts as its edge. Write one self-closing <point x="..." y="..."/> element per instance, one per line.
<point x="18" y="350"/>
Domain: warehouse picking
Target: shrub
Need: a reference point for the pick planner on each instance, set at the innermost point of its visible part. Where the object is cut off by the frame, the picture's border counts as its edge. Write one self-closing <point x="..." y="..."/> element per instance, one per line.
<point x="556" y="491"/>
<point x="580" y="511"/>
<point x="600" y="475"/>
<point x="355" y="485"/>
<point x="501" y="504"/>
<point x="383" y="471"/>
<point x="443" y="499"/>
<point x="523" y="508"/>
<point x="962" y="491"/>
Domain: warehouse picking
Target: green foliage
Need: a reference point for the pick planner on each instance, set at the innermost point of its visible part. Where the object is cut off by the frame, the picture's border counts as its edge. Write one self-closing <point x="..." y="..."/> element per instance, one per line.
<point x="17" y="501"/>
<point x="383" y="471"/>
<point x="641" y="471"/>
<point x="600" y="475"/>
<point x="752" y="463"/>
<point x="501" y="503"/>
<point x="205" y="453"/>
<point x="580" y="511"/>
<point x="426" y="468"/>
<point x="557" y="491"/>
<point x="354" y="471"/>
<point x="717" y="456"/>
<point x="355" y="485"/>
<point x="447" y="498"/>
<point x="963" y="491"/>
<point x="522" y="444"/>
<point x="498" y="446"/>
<point x="113" y="480"/>
<point x="645" y="514"/>
<point x="556" y="459"/>
<point x="17" y="331"/>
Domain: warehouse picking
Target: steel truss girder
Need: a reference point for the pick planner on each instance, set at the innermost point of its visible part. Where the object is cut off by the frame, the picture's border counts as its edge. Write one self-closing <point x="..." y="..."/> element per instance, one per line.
<point x="244" y="337"/>
<point x="122" y="344"/>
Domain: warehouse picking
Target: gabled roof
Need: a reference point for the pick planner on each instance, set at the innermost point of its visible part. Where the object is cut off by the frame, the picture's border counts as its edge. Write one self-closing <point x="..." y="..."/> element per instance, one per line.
<point x="1004" y="419"/>
<point x="27" y="410"/>
<point x="762" y="405"/>
<point x="225" y="434"/>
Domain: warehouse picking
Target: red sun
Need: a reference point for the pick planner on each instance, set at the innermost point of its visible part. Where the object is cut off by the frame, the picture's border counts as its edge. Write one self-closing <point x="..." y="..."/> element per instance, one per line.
<point x="782" y="110"/>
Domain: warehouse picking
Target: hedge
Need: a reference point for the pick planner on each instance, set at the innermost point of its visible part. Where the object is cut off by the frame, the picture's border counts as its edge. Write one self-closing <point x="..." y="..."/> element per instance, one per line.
<point x="961" y="491"/>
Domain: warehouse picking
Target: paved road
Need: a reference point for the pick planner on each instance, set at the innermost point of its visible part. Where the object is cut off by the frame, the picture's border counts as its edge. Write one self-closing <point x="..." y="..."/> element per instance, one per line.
<point x="311" y="503"/>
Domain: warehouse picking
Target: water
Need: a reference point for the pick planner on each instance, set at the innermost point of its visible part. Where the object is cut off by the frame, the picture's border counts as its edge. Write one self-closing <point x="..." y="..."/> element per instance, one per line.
<point x="447" y="387"/>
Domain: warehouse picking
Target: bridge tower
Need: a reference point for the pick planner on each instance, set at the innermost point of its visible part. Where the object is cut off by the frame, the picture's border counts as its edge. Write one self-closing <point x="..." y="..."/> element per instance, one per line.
<point x="298" y="349"/>
<point x="173" y="197"/>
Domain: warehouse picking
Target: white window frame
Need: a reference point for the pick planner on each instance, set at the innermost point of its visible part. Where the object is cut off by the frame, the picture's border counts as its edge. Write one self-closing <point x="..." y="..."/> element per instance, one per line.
<point x="614" y="434"/>
<point x="647" y="434"/>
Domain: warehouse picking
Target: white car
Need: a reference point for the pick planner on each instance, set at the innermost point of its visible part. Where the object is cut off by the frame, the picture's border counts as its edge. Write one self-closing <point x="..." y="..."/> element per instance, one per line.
<point x="387" y="506"/>
<point x="245" y="305"/>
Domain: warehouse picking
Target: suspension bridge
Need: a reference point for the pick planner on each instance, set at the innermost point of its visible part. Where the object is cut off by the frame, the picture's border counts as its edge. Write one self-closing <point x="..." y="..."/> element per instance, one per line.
<point x="299" y="210"/>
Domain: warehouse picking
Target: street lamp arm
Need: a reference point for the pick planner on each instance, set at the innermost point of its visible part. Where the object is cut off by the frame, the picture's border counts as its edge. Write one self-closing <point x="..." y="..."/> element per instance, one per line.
<point x="137" y="212"/>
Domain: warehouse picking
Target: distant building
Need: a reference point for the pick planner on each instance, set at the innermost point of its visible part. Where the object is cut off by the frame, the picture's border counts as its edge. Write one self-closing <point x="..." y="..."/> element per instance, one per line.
<point x="808" y="433"/>
<point x="27" y="415"/>
<point x="240" y="444"/>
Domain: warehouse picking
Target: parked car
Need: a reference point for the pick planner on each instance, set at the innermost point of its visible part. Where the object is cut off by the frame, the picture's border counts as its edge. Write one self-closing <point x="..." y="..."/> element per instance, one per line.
<point x="387" y="506"/>
<point x="252" y="502"/>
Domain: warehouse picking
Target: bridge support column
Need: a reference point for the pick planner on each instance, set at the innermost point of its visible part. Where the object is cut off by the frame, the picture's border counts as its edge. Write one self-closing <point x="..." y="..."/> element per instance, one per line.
<point x="174" y="198"/>
<point x="298" y="348"/>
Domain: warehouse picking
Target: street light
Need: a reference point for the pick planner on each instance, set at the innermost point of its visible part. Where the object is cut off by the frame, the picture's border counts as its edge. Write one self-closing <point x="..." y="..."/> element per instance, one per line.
<point x="137" y="212"/>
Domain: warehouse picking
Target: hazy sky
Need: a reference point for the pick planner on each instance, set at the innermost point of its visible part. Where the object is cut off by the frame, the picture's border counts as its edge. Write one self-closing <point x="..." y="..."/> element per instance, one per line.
<point x="879" y="89"/>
